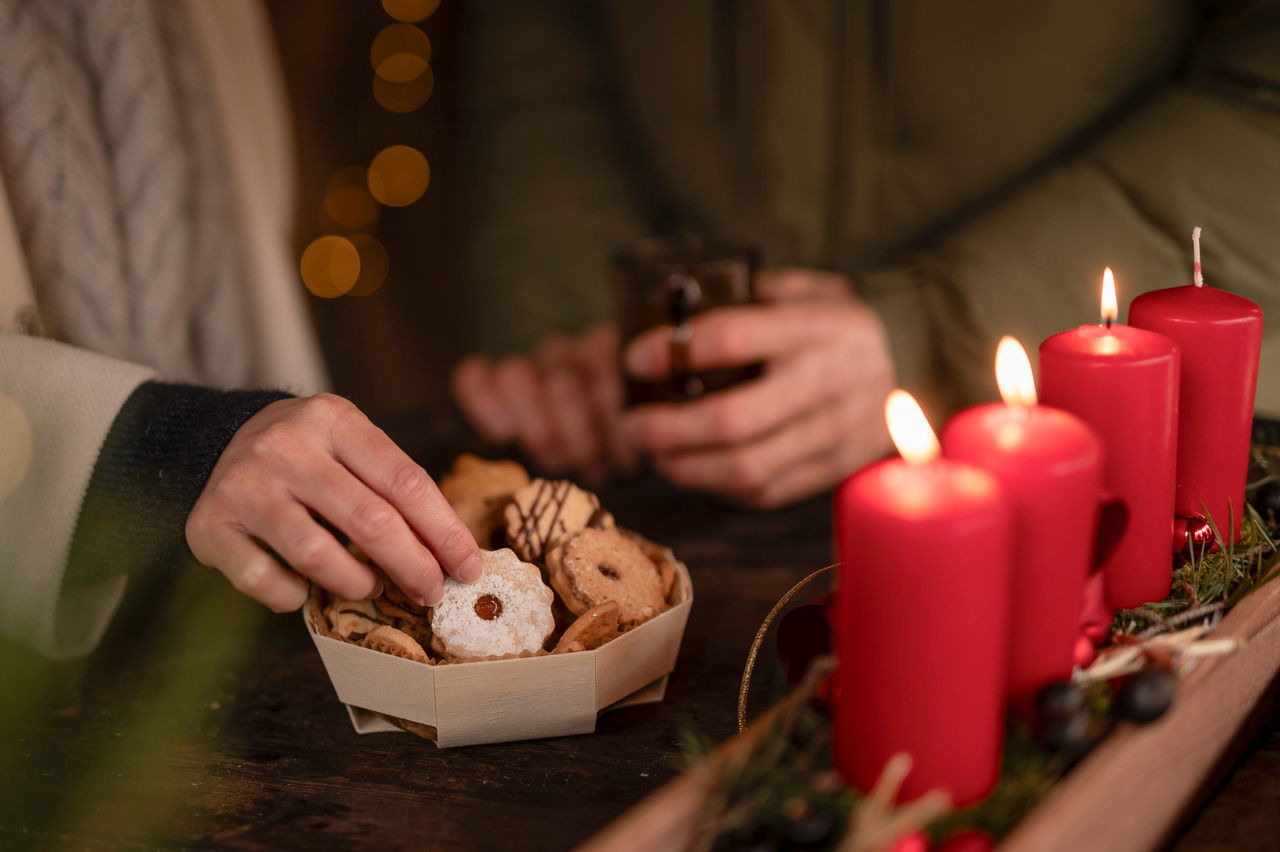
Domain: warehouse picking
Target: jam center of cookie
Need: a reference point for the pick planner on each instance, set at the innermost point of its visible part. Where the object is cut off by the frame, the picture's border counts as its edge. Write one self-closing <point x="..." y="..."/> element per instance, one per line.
<point x="609" y="572"/>
<point x="488" y="607"/>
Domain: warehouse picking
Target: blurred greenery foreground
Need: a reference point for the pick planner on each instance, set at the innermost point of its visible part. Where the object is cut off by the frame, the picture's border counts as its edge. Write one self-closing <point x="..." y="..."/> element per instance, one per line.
<point x="75" y="776"/>
<point x="782" y="792"/>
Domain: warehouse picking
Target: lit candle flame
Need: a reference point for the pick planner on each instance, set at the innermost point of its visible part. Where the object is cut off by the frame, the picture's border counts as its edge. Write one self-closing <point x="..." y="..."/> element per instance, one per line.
<point x="1109" y="309"/>
<point x="910" y="429"/>
<point x="1013" y="373"/>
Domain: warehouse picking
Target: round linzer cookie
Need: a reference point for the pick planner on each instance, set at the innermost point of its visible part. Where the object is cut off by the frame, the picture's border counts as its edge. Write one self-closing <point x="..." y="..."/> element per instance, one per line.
<point x="590" y="630"/>
<point x="478" y="490"/>
<point x="595" y="566"/>
<point x="353" y="620"/>
<point x="506" y="613"/>
<point x="389" y="640"/>
<point x="548" y="511"/>
<point x="663" y="557"/>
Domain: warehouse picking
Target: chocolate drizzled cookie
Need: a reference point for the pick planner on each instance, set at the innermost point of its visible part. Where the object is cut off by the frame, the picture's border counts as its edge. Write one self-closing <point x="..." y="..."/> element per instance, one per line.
<point x="548" y="511"/>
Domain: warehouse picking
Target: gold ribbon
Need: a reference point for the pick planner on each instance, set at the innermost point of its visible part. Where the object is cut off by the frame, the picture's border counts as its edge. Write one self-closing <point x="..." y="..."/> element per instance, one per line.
<point x="759" y="640"/>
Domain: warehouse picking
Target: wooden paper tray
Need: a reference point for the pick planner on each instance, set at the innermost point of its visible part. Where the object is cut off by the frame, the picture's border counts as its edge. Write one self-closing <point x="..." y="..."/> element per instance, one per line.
<point x="1126" y="795"/>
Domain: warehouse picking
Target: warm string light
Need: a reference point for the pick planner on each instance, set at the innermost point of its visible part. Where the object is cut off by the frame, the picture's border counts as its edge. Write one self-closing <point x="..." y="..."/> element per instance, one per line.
<point x="348" y="206"/>
<point x="398" y="175"/>
<point x="349" y="259"/>
<point x="330" y="266"/>
<point x="410" y="11"/>
<point x="400" y="53"/>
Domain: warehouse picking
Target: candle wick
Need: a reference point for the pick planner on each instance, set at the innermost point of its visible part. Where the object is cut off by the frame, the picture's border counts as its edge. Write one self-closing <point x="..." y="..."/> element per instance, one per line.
<point x="1107" y="321"/>
<point x="1197" y="274"/>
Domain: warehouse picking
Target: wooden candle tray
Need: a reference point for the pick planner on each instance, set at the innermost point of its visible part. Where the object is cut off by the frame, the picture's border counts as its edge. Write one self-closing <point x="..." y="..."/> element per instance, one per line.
<point x="1126" y="794"/>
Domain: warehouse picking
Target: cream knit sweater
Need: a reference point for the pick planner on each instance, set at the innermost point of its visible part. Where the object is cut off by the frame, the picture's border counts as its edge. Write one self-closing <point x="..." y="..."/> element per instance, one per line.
<point x="57" y="402"/>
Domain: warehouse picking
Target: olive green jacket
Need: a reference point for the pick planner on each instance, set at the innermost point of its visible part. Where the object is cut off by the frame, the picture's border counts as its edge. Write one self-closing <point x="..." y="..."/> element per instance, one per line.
<point x="972" y="166"/>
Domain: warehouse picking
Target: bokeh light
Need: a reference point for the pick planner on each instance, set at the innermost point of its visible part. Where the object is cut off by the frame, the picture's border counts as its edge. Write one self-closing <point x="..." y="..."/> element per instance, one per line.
<point x="15" y="445"/>
<point x="348" y="206"/>
<point x="399" y="175"/>
<point x="400" y="53"/>
<point x="330" y="266"/>
<point x="410" y="11"/>
<point x="404" y="97"/>
<point x="374" y="264"/>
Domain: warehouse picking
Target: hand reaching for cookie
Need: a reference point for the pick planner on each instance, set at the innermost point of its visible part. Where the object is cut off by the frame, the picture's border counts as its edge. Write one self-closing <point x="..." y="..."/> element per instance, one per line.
<point x="814" y="416"/>
<point x="560" y="404"/>
<point x="320" y="456"/>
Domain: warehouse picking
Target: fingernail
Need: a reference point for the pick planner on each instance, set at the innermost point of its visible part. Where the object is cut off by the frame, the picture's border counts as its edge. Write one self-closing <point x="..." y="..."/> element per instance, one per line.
<point x="433" y="597"/>
<point x="471" y="570"/>
<point x="639" y="360"/>
<point x="377" y="590"/>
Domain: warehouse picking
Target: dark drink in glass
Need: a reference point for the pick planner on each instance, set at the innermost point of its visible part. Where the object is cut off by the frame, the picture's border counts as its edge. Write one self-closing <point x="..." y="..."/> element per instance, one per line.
<point x="666" y="282"/>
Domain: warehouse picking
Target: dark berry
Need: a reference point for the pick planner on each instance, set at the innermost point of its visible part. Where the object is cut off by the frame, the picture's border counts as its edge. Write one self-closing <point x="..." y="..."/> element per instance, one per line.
<point x="754" y="838"/>
<point x="1146" y="695"/>
<point x="803" y="634"/>
<point x="1060" y="699"/>
<point x="1070" y="735"/>
<point x="810" y="830"/>
<point x="1268" y="499"/>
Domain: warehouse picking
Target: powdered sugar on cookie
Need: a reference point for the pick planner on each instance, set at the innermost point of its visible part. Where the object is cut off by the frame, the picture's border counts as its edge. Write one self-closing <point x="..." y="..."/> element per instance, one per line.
<point x="507" y="612"/>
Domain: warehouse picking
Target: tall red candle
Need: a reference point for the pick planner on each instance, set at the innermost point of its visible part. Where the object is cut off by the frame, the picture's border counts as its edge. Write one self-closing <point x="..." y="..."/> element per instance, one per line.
<point x="1123" y="382"/>
<point x="1220" y="335"/>
<point x="921" y="617"/>
<point x="1050" y="465"/>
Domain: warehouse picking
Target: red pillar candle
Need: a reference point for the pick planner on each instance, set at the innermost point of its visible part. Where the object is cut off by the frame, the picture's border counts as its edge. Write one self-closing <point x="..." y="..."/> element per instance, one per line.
<point x="921" y="616"/>
<point x="1220" y="335"/>
<point x="1050" y="465"/>
<point x="1123" y="382"/>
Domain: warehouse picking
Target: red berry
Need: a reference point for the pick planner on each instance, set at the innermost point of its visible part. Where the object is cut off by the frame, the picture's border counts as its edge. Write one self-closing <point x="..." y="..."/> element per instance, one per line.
<point x="968" y="840"/>
<point x="915" y="842"/>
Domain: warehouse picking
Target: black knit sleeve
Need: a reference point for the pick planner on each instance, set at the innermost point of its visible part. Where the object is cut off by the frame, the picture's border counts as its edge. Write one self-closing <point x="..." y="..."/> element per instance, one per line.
<point x="153" y="465"/>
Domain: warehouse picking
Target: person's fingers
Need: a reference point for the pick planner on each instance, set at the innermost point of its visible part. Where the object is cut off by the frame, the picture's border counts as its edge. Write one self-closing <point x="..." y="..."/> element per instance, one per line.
<point x="602" y="338"/>
<point x="572" y="418"/>
<point x="557" y="350"/>
<point x="375" y="460"/>
<point x="781" y="284"/>
<point x="605" y="383"/>
<point x="749" y="469"/>
<point x="474" y="388"/>
<point x="730" y="337"/>
<point x="253" y="571"/>
<point x="815" y="475"/>
<point x="520" y="386"/>
<point x="562" y="363"/>
<point x="311" y="550"/>
<point x="374" y="524"/>
<point x="743" y="413"/>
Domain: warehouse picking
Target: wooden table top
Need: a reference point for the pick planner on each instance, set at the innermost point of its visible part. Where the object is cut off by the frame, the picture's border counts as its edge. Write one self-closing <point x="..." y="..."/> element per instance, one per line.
<point x="204" y="721"/>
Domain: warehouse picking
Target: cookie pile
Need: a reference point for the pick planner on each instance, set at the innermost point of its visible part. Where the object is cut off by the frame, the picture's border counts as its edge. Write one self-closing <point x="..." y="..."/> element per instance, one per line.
<point x="561" y="576"/>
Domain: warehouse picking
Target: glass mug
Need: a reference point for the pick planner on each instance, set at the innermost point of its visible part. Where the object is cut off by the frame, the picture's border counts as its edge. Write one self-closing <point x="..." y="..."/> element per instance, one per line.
<point x="666" y="282"/>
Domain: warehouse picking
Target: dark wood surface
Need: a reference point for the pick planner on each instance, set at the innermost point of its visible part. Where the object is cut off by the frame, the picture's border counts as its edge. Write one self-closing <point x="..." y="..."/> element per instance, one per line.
<point x="205" y="722"/>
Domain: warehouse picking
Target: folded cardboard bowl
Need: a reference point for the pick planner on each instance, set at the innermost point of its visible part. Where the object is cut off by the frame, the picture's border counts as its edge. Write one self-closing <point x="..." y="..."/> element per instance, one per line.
<point x="459" y="704"/>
